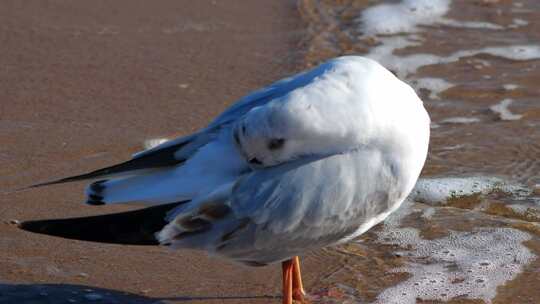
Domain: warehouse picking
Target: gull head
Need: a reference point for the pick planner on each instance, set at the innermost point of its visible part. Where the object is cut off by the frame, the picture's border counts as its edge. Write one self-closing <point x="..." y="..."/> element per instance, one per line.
<point x="349" y="103"/>
<point x="287" y="130"/>
<point x="262" y="140"/>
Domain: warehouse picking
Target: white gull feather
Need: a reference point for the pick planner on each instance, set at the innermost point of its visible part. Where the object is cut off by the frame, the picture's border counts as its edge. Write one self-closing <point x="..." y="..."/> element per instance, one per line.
<point x="312" y="160"/>
<point x="309" y="161"/>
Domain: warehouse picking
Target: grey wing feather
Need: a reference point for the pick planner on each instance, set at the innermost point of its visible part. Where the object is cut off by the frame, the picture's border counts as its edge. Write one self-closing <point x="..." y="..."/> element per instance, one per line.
<point x="263" y="96"/>
<point x="156" y="160"/>
<point x="296" y="194"/>
<point x="282" y="211"/>
<point x="313" y="202"/>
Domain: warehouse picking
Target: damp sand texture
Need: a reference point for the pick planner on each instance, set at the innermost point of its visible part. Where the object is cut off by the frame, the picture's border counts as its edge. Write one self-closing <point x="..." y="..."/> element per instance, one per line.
<point x="85" y="85"/>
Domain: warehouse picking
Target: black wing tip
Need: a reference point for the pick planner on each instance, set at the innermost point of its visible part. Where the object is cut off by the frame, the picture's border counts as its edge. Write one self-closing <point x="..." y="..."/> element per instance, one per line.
<point x="70" y="179"/>
<point x="98" y="186"/>
<point x="95" y="200"/>
<point x="49" y="183"/>
<point x="95" y="193"/>
<point x="34" y="186"/>
<point x="160" y="158"/>
<point x="59" y="181"/>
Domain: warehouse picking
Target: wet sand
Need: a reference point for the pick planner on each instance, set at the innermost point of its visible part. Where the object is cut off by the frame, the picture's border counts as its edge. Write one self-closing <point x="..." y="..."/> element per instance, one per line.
<point x="83" y="85"/>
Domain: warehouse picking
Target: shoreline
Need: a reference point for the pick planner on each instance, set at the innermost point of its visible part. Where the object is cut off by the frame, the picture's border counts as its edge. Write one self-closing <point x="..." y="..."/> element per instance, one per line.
<point x="86" y="85"/>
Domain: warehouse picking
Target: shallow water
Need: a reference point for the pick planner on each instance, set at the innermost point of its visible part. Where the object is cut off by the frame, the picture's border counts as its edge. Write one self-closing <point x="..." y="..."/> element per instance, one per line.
<point x="476" y="65"/>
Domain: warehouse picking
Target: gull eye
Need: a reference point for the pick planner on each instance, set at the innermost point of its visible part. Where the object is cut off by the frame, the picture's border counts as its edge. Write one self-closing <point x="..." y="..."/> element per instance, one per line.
<point x="276" y="143"/>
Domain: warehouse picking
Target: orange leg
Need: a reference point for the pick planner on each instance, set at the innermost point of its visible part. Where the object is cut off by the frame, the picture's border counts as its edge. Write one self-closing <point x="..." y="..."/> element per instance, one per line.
<point x="297" y="288"/>
<point x="287" y="268"/>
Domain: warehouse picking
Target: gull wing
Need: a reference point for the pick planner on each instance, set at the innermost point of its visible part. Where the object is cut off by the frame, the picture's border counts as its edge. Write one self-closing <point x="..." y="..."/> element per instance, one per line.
<point x="271" y="214"/>
<point x="316" y="201"/>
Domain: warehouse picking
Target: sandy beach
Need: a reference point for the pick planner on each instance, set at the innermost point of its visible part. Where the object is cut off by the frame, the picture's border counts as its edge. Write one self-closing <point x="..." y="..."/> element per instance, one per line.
<point x="83" y="85"/>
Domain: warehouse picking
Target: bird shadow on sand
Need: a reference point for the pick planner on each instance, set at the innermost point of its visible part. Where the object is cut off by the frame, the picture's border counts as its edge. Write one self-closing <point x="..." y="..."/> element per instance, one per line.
<point x="68" y="293"/>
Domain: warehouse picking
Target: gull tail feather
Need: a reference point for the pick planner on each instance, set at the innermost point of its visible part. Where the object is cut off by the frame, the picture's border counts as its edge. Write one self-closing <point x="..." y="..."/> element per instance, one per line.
<point x="156" y="187"/>
<point x="136" y="227"/>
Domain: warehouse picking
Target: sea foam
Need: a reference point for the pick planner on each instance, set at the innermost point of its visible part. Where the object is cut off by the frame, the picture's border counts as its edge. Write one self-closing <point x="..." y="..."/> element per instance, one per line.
<point x="463" y="264"/>
<point x="404" y="17"/>
<point x="439" y="190"/>
<point x="503" y="111"/>
<point x="400" y="25"/>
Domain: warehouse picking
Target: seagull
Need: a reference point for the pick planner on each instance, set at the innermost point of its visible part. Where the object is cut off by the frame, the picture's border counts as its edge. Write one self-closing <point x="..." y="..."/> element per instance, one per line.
<point x="310" y="161"/>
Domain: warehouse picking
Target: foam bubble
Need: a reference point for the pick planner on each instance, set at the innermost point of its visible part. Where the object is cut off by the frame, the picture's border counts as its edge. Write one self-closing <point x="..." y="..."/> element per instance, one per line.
<point x="460" y="120"/>
<point x="463" y="264"/>
<point x="434" y="85"/>
<point x="437" y="191"/>
<point x="513" y="52"/>
<point x="519" y="208"/>
<point x="403" y="66"/>
<point x="454" y="147"/>
<point x="510" y="86"/>
<point x="502" y="110"/>
<point x="470" y="24"/>
<point x="404" y="17"/>
<point x="428" y="213"/>
<point x="517" y="22"/>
